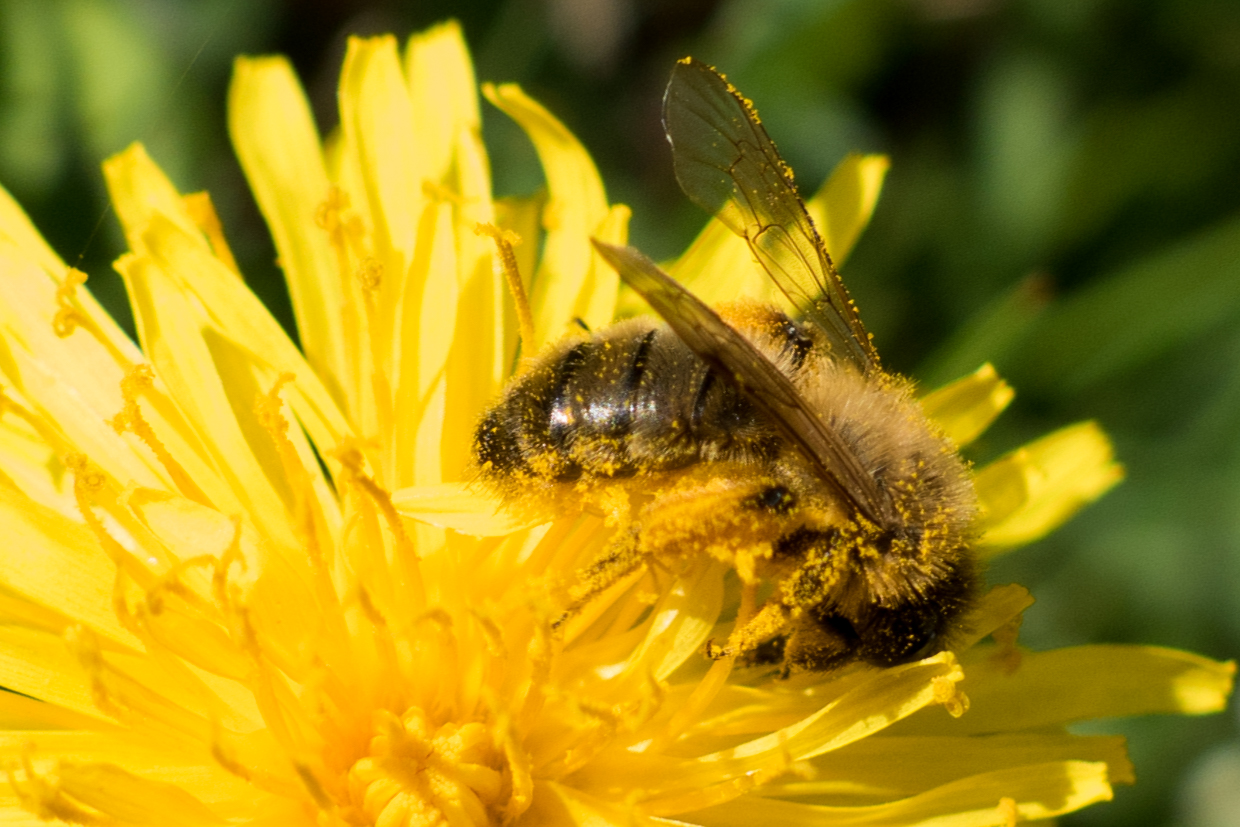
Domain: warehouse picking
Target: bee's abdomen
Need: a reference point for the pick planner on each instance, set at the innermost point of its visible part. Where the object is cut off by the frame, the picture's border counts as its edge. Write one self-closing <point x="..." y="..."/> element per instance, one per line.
<point x="632" y="398"/>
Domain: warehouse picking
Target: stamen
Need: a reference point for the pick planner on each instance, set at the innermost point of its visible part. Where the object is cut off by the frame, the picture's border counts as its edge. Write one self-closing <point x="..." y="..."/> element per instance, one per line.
<point x="284" y="719"/>
<point x="520" y="776"/>
<point x="447" y="656"/>
<point x="41" y="794"/>
<point x="254" y="772"/>
<point x="137" y="379"/>
<point x="120" y="603"/>
<point x="170" y="583"/>
<point x="89" y="478"/>
<point x="492" y="635"/>
<point x="1008" y="812"/>
<point x="50" y="436"/>
<point x="1008" y="655"/>
<point x="947" y="692"/>
<point x="344" y="228"/>
<point x="313" y="786"/>
<point x="226" y="759"/>
<point x="438" y="192"/>
<point x="219" y="577"/>
<point x="369" y="274"/>
<point x="712" y="682"/>
<point x="505" y="240"/>
<point x="89" y="482"/>
<point x="328" y="215"/>
<point x="365" y="322"/>
<point x="129" y="698"/>
<point x="351" y="460"/>
<point x="712" y="795"/>
<point x="382" y="633"/>
<point x="333" y="217"/>
<point x="68" y="316"/>
<point x="202" y="212"/>
<point x="308" y="521"/>
<point x="782" y="763"/>
<point x="538" y="655"/>
<point x="369" y="277"/>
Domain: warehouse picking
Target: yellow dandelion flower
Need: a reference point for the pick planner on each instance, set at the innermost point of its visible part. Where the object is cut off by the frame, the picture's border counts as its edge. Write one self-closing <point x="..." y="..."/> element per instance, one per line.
<point x="214" y="611"/>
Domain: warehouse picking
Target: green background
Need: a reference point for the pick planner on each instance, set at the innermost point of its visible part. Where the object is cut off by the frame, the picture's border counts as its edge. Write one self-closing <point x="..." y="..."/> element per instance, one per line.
<point x="1064" y="201"/>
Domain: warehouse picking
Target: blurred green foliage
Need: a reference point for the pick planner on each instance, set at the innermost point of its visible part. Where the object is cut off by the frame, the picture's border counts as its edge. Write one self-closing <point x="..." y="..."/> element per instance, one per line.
<point x="1064" y="201"/>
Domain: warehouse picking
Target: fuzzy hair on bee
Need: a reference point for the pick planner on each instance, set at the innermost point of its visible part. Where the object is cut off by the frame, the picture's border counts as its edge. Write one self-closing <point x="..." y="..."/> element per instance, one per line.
<point x="776" y="443"/>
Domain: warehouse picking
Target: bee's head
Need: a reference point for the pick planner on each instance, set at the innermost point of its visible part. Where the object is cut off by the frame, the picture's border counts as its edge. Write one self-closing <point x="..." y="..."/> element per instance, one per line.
<point x="891" y="599"/>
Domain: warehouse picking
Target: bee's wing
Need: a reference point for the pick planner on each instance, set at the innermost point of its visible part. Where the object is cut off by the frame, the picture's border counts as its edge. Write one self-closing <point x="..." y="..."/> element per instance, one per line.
<point x="726" y="350"/>
<point x="728" y="165"/>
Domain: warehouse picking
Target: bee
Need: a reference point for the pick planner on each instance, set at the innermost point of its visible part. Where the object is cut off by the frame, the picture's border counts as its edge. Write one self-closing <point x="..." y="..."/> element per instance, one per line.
<point x="777" y="443"/>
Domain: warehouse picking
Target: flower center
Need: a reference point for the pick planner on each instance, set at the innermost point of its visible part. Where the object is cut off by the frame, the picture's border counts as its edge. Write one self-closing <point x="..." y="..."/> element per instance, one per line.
<point x="422" y="775"/>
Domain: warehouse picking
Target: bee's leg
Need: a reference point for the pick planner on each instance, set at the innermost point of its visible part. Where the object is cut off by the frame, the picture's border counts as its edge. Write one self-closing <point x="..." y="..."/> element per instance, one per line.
<point x="621" y="558"/>
<point x="770" y="621"/>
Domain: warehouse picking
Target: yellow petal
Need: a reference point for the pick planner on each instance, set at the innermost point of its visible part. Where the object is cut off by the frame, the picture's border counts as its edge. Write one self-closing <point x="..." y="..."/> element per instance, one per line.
<point x="69" y="571"/>
<point x="16" y="229"/>
<point x="39" y="664"/>
<point x="32" y="466"/>
<point x="718" y="267"/>
<point x="679" y="624"/>
<point x="153" y="758"/>
<point x="277" y="144"/>
<point x="139" y="191"/>
<point x="1063" y="686"/>
<point x="999" y="606"/>
<point x="377" y="121"/>
<point x="1036" y="488"/>
<point x="459" y="507"/>
<point x="873" y="701"/>
<point x="445" y="105"/>
<point x="431" y="306"/>
<point x="237" y="313"/>
<point x="572" y="280"/>
<point x="17" y="712"/>
<point x="967" y="406"/>
<point x="212" y="388"/>
<point x="560" y="805"/>
<point x="602" y="286"/>
<point x="879" y="699"/>
<point x="1036" y="792"/>
<point x="72" y="383"/>
<point x="884" y="768"/>
<point x="443" y="93"/>
<point x="129" y="798"/>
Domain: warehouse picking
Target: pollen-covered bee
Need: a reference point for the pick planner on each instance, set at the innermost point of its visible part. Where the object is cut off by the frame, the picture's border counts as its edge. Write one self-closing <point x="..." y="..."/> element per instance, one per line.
<point x="778" y="444"/>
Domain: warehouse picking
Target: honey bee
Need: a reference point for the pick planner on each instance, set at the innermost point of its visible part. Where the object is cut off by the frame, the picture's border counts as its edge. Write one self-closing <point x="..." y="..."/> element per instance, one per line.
<point x="776" y="443"/>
